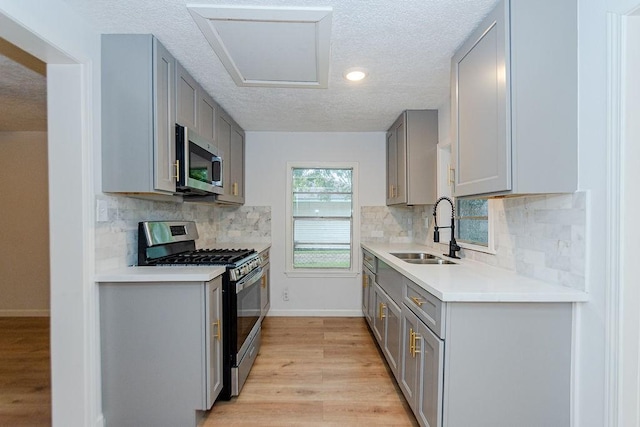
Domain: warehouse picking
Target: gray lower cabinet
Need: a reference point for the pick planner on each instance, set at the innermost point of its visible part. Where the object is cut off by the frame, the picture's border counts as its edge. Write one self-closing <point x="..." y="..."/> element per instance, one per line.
<point x="265" y="285"/>
<point x="161" y="351"/>
<point x="412" y="158"/>
<point x="510" y="116"/>
<point x="368" y="279"/>
<point x="481" y="364"/>
<point x="386" y="327"/>
<point x="422" y="369"/>
<point x="138" y="116"/>
<point x="231" y="148"/>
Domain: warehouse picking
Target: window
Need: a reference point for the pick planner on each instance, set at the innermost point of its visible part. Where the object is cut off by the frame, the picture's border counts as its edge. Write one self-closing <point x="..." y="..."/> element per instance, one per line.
<point x="473" y="227"/>
<point x="321" y="204"/>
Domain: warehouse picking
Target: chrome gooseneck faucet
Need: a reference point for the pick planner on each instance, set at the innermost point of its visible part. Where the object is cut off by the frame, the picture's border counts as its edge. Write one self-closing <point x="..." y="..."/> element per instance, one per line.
<point x="453" y="245"/>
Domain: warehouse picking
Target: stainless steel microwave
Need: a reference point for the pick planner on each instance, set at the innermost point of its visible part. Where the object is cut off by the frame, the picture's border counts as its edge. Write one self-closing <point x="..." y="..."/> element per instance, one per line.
<point x="199" y="168"/>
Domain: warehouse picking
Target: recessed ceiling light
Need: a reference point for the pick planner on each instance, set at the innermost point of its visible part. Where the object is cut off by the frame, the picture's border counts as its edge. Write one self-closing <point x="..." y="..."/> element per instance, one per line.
<point x="355" y="74"/>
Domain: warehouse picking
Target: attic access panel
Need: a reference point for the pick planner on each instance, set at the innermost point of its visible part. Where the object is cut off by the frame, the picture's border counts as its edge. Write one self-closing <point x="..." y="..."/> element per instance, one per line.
<point x="269" y="46"/>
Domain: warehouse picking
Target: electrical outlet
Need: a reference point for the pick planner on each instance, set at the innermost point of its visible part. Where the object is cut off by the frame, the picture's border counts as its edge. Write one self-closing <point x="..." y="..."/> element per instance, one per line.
<point x="102" y="214"/>
<point x="285" y="294"/>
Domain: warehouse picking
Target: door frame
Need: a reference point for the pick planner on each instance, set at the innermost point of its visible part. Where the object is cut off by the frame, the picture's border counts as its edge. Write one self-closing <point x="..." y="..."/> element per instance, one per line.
<point x="623" y="296"/>
<point x="71" y="52"/>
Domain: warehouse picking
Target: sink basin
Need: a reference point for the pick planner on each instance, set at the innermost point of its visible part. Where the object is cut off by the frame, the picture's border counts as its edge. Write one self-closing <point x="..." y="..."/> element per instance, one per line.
<point x="420" y="258"/>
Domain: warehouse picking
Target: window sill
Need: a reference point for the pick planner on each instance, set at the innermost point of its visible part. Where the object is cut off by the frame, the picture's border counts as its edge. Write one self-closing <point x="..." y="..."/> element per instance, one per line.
<point x="321" y="273"/>
<point x="477" y="248"/>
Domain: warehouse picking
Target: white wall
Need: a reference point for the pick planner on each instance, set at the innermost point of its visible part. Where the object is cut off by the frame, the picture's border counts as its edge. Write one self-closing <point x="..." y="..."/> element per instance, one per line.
<point x="266" y="173"/>
<point x="24" y="246"/>
<point x="55" y="34"/>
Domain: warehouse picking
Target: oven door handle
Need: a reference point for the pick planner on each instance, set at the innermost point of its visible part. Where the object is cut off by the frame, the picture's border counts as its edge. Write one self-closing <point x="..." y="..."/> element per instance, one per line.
<point x="249" y="280"/>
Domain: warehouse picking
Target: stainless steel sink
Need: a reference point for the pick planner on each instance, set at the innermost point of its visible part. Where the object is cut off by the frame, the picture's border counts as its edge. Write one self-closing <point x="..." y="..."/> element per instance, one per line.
<point x="421" y="258"/>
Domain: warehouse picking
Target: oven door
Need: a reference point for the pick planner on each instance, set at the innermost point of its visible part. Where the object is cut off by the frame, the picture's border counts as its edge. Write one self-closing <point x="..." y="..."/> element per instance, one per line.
<point x="248" y="310"/>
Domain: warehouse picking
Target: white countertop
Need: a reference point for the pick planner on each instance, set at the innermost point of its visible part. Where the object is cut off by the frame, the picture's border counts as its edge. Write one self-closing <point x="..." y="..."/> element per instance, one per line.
<point x="161" y="274"/>
<point x="471" y="281"/>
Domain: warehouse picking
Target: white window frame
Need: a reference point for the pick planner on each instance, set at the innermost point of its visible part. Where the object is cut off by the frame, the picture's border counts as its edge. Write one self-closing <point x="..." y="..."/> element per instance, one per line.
<point x="490" y="248"/>
<point x="355" y="223"/>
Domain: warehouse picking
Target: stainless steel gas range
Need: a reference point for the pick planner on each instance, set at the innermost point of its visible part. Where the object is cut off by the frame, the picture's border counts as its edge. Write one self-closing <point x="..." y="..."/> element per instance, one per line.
<point x="168" y="243"/>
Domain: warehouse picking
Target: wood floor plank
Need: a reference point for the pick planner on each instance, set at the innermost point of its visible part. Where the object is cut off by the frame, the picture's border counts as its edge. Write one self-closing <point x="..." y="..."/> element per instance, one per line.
<point x="314" y="371"/>
<point x="25" y="372"/>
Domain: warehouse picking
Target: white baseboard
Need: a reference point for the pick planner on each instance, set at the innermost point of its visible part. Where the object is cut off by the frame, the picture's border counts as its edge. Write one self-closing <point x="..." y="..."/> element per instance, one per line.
<point x="25" y="313"/>
<point x="314" y="313"/>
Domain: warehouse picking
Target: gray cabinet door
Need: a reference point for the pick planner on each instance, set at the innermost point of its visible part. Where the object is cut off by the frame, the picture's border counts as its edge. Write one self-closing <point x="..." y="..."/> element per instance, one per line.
<point x="410" y="366"/>
<point x="401" y="156"/>
<point x="207" y="111"/>
<point x="187" y="98"/>
<point x="265" y="289"/>
<point x="481" y="119"/>
<point x="367" y="285"/>
<point x="380" y="306"/>
<point x="392" y="336"/>
<point x="215" y="357"/>
<point x="429" y="398"/>
<point x="392" y="167"/>
<point x="164" y="143"/>
<point x="231" y="149"/>
<point x="237" y="164"/>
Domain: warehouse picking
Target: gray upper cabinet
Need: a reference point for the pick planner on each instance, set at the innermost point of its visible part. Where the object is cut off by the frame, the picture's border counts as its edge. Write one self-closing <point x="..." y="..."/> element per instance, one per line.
<point x="138" y="116"/>
<point x="195" y="108"/>
<point x="231" y="149"/>
<point x="514" y="121"/>
<point x="412" y="158"/>
<point x="187" y="90"/>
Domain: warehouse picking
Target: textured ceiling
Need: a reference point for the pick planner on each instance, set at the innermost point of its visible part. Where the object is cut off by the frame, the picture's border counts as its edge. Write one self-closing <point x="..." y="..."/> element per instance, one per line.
<point x="406" y="46"/>
<point x="23" y="97"/>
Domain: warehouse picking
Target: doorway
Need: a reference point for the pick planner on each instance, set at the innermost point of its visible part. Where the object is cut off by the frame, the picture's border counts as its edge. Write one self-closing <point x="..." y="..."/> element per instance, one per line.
<point x="59" y="38"/>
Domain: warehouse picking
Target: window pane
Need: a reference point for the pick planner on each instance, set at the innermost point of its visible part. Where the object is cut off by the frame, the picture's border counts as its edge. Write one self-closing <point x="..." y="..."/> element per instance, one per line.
<point x="474" y="231"/>
<point x="472" y="207"/>
<point x="473" y="221"/>
<point x="322" y="243"/>
<point x="322" y="205"/>
<point x="322" y="180"/>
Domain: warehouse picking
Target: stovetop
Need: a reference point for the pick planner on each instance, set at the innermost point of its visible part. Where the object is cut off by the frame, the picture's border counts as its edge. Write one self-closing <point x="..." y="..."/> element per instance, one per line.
<point x="206" y="257"/>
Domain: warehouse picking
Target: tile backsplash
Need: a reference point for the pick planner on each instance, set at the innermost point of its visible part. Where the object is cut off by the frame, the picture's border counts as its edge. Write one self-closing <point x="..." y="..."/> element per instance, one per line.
<point x="541" y="236"/>
<point x="117" y="238"/>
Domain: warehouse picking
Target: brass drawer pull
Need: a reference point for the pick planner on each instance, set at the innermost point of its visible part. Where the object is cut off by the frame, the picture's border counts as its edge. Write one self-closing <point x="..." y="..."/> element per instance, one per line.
<point x="216" y="325"/>
<point x="417" y="301"/>
<point x="381" y="308"/>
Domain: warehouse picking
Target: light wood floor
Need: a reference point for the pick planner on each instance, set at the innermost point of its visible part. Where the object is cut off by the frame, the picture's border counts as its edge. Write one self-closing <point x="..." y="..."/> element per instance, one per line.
<point x="25" y="372"/>
<point x="316" y="372"/>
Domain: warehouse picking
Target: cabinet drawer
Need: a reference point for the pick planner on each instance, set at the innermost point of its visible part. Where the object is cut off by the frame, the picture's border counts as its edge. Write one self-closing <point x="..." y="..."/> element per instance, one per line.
<point x="427" y="307"/>
<point x="390" y="280"/>
<point x="369" y="260"/>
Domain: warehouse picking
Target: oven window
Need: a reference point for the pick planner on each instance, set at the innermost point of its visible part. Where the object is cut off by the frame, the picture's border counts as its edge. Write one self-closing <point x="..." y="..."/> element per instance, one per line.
<point x="249" y="307"/>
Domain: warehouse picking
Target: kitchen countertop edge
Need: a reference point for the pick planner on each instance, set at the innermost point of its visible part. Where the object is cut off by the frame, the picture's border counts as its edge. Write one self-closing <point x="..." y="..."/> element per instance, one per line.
<point x="472" y="281"/>
<point x="160" y="274"/>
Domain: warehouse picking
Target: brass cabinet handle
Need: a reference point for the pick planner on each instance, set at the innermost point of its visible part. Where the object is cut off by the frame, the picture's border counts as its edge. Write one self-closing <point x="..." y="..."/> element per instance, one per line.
<point x="412" y="342"/>
<point x="381" y="310"/>
<point x="417" y="301"/>
<point x="263" y="281"/>
<point x="235" y="189"/>
<point x="177" y="177"/>
<point x="452" y="175"/>
<point x="216" y="325"/>
<point x="413" y="348"/>
<point x="365" y="281"/>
